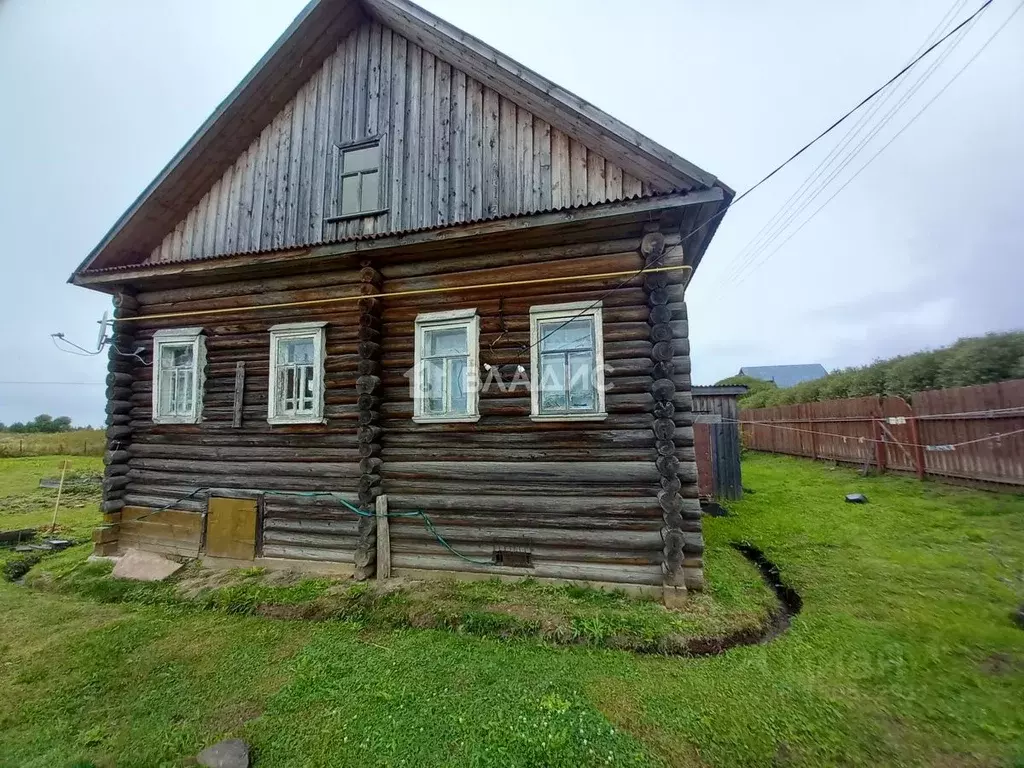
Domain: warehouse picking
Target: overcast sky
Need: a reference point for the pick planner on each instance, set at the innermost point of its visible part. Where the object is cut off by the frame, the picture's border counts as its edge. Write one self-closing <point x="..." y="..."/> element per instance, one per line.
<point x="925" y="246"/>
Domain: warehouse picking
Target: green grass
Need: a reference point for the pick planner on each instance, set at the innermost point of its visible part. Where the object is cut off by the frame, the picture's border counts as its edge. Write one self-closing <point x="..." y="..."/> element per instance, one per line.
<point x="23" y="504"/>
<point x="904" y="654"/>
<point x="738" y="603"/>
<point x="82" y="442"/>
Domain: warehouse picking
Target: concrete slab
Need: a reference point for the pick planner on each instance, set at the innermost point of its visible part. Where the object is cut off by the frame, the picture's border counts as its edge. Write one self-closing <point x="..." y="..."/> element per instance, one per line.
<point x="144" y="566"/>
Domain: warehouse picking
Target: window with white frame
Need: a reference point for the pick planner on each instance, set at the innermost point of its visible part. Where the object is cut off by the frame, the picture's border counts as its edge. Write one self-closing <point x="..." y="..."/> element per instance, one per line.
<point x="179" y="362"/>
<point x="567" y="362"/>
<point x="296" y="374"/>
<point x="360" y="182"/>
<point x="445" y="372"/>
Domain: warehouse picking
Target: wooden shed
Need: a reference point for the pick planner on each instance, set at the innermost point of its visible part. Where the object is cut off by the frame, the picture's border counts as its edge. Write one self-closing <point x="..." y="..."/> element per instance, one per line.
<point x="717" y="436"/>
<point x="399" y="284"/>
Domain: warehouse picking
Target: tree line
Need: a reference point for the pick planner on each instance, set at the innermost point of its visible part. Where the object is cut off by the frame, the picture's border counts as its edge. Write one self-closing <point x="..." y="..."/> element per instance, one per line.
<point x="43" y="423"/>
<point x="981" y="360"/>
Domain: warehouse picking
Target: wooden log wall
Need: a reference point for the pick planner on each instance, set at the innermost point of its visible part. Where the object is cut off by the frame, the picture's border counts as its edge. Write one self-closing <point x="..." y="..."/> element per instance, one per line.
<point x="683" y="542"/>
<point x="368" y="387"/>
<point x="164" y="462"/>
<point x="119" y="432"/>
<point x="586" y="500"/>
<point x="456" y="151"/>
<point x="604" y="501"/>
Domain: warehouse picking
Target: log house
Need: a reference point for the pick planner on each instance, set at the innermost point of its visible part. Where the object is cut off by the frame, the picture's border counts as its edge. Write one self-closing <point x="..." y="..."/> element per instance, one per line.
<point x="396" y="270"/>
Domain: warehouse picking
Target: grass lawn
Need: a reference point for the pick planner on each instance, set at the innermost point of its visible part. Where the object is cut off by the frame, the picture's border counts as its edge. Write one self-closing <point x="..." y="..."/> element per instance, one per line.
<point x="904" y="654"/>
<point x="81" y="442"/>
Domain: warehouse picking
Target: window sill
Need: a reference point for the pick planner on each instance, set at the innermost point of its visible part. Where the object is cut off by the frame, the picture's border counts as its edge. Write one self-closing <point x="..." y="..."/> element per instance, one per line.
<point x="446" y="419"/>
<point x="357" y="215"/>
<point x="281" y="421"/>
<point x="175" y="420"/>
<point x="570" y="417"/>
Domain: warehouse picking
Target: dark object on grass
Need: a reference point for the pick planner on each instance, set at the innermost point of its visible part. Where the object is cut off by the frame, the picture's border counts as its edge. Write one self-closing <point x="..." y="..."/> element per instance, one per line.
<point x="13" y="537"/>
<point x="58" y="545"/>
<point x="233" y="753"/>
<point x="713" y="509"/>
<point x="856" y="498"/>
<point x="1018" y="617"/>
<point x="16" y="568"/>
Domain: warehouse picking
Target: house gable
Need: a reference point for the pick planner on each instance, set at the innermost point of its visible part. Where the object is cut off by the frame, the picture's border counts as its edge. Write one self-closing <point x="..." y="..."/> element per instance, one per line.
<point x="468" y="133"/>
<point x="454" y="150"/>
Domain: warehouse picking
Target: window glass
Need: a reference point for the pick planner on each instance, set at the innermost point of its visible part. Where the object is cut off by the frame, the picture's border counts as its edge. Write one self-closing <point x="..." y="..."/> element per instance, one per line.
<point x="434" y="386"/>
<point x="295" y="376"/>
<point x="296" y="392"/>
<point x="361" y="159"/>
<point x="350" y="195"/>
<point x="446" y="354"/>
<point x="446" y="341"/>
<point x="370" y="197"/>
<point x="360" y="180"/>
<point x="175" y="398"/>
<point x="552" y="384"/>
<point x="567" y="359"/>
<point x="559" y="336"/>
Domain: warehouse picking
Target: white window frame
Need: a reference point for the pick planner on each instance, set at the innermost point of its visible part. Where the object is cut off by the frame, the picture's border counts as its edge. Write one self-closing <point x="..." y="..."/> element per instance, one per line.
<point x="296" y="331"/>
<point x="180" y="337"/>
<point x="566" y="312"/>
<point x="459" y="318"/>
<point x="339" y="175"/>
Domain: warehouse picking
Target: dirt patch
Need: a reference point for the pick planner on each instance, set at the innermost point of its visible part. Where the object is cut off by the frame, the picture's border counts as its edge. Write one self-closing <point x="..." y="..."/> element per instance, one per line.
<point x="1001" y="664"/>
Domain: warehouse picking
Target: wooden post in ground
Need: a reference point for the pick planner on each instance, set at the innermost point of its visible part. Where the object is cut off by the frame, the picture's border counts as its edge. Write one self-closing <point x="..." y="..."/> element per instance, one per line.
<point x="915" y="438"/>
<point x="60" y="490"/>
<point x="383" y="539"/>
<point x="879" y="445"/>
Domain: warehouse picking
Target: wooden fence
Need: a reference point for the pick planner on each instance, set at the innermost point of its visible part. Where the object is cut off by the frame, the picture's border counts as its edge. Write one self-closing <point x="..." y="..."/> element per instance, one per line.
<point x="967" y="433"/>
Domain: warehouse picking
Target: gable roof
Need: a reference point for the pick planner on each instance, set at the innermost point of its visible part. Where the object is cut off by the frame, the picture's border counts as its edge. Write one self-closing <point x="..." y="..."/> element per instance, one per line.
<point x="785" y="375"/>
<point x="302" y="49"/>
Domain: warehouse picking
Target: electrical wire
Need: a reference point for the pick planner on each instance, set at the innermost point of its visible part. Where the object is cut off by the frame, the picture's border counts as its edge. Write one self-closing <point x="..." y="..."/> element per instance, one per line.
<point x="865" y="439"/>
<point x="794" y="204"/>
<point x="884" y="147"/>
<point x="769" y="175"/>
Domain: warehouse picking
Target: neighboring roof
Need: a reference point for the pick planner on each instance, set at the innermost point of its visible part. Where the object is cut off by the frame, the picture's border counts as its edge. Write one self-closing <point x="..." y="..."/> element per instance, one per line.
<point x="785" y="375"/>
<point x="294" y="58"/>
<point x="733" y="390"/>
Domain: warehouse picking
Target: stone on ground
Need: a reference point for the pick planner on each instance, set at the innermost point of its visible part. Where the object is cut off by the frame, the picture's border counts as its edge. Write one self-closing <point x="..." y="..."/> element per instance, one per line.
<point x="233" y="753"/>
<point x="144" y="566"/>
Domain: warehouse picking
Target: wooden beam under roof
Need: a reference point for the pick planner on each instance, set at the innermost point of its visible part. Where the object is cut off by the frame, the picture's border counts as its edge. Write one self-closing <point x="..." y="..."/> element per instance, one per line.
<point x="593" y="221"/>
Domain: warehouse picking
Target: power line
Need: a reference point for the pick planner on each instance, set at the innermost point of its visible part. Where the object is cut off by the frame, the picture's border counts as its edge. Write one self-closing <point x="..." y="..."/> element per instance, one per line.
<point x="55" y="383"/>
<point x="773" y="172"/>
<point x="884" y="147"/>
<point x="796" y="204"/>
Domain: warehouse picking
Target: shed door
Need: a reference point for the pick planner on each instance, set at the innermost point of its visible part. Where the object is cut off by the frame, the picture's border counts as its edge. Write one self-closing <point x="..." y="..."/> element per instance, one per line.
<point x="231" y="528"/>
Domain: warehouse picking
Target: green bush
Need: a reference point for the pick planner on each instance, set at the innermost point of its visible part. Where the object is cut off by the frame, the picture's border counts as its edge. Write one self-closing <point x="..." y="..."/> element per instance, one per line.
<point x="984" y="360"/>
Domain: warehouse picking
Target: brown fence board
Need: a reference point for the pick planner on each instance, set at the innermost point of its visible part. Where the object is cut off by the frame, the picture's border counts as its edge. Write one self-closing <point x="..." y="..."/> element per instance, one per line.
<point x="969" y="433"/>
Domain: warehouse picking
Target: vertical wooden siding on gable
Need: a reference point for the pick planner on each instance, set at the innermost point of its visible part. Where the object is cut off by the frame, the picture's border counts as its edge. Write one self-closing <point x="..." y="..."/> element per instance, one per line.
<point x="456" y="151"/>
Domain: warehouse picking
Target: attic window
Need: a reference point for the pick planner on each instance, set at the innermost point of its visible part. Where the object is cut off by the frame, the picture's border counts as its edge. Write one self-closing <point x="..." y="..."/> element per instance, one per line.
<point x="360" y="179"/>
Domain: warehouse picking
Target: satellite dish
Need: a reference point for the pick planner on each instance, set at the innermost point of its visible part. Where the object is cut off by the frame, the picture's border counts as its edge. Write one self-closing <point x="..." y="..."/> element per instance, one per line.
<point x="103" y="331"/>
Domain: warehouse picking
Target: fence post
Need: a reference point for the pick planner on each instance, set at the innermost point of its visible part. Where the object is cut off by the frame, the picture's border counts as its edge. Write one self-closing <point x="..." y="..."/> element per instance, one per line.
<point x="879" y="445"/>
<point x="383" y="538"/>
<point x="915" y="438"/>
<point x="814" y="436"/>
